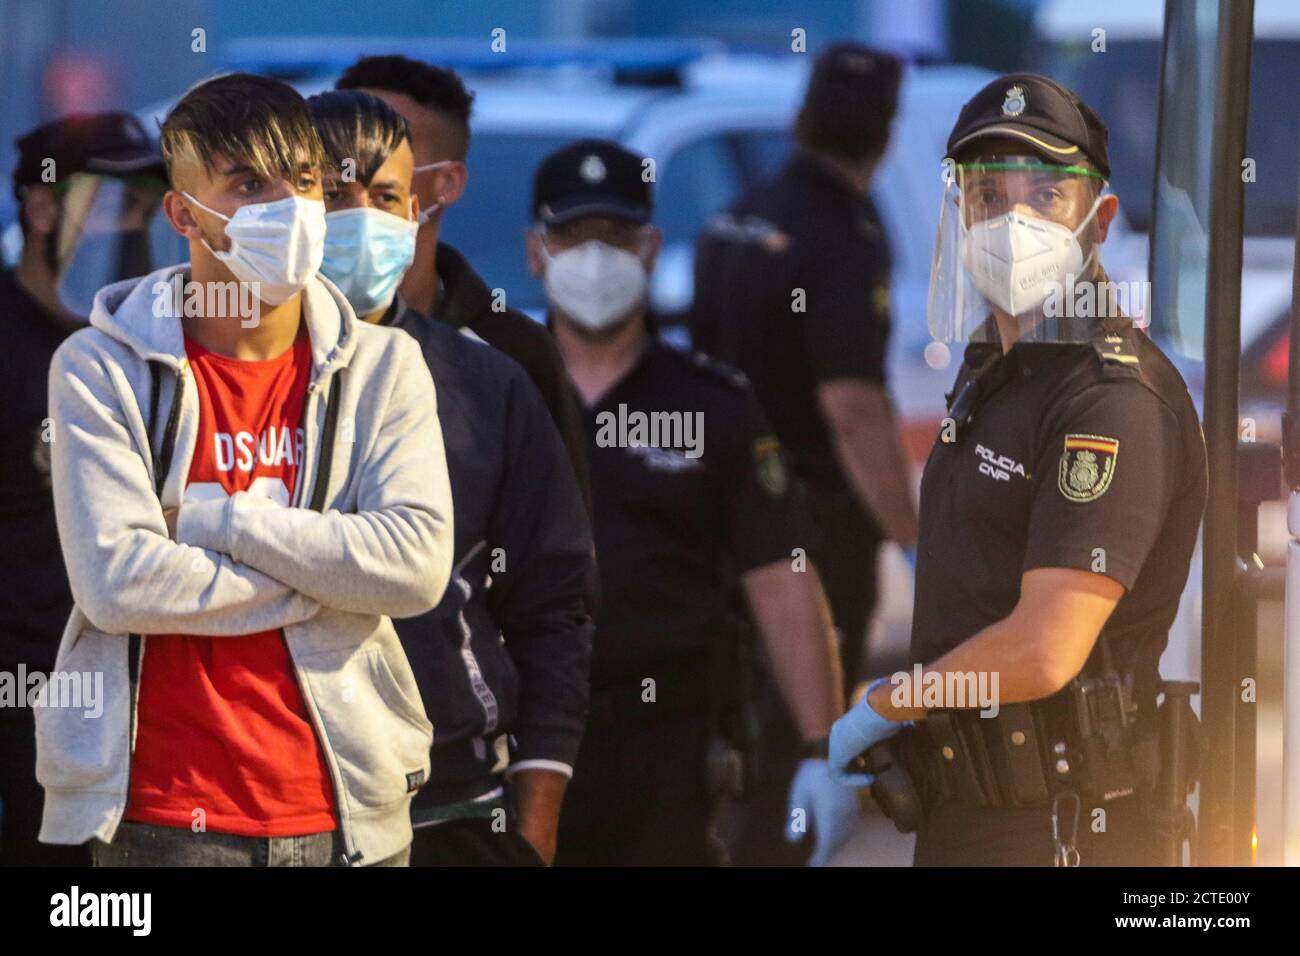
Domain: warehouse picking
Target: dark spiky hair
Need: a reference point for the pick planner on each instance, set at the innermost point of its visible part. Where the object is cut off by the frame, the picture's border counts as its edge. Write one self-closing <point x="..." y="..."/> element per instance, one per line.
<point x="433" y="87"/>
<point x="253" y="120"/>
<point x="357" y="126"/>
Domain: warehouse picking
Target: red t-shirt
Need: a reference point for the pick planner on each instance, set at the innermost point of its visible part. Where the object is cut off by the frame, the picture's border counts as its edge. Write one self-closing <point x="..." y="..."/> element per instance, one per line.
<point x="222" y="726"/>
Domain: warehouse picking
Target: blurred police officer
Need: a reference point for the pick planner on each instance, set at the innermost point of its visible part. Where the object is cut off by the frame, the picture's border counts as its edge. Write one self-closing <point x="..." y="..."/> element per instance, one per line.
<point x="690" y="491"/>
<point x="86" y="186"/>
<point x="792" y="287"/>
<point x="440" y="282"/>
<point x="1059" y="511"/>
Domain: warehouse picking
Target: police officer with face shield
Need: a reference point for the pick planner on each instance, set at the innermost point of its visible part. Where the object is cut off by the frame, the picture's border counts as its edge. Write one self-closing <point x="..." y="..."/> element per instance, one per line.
<point x="691" y="502"/>
<point x="86" y="187"/>
<point x="1059" y="511"/>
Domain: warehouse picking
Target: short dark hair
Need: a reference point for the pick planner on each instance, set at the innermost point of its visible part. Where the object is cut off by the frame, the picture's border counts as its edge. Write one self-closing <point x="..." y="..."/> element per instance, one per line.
<point x="433" y="87"/>
<point x="252" y="119"/>
<point x="357" y="126"/>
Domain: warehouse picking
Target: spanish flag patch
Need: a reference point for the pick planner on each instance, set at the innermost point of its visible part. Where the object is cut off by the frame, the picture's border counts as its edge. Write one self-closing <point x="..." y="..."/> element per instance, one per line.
<point x="1087" y="466"/>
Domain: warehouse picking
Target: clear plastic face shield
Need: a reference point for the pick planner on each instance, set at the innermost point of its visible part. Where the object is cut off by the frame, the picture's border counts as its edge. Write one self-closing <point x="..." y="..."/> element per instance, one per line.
<point x="106" y="233"/>
<point x="1017" y="250"/>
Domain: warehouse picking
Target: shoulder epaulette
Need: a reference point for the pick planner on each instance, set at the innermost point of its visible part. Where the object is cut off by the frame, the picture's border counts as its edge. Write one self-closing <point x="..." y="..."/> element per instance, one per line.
<point x="716" y="368"/>
<point x="1118" y="356"/>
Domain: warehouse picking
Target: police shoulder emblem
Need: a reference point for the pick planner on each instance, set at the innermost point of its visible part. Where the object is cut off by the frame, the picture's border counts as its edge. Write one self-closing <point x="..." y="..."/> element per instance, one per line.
<point x="1087" y="466"/>
<point x="1014" y="104"/>
<point x="770" y="467"/>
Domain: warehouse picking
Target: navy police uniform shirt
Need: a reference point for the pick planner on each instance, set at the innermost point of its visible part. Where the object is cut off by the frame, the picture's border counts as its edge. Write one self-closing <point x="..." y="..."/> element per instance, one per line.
<point x="36" y="601"/>
<point x="1084" y="456"/>
<point x="678" y="514"/>
<point x="792" y="289"/>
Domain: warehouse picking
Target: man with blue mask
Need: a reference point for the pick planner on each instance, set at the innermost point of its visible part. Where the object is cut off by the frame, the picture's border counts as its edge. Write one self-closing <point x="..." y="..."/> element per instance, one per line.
<point x="502" y="661"/>
<point x="1059" y="511"/>
<point x="441" y="282"/>
<point x="692" y="505"/>
<point x="370" y="210"/>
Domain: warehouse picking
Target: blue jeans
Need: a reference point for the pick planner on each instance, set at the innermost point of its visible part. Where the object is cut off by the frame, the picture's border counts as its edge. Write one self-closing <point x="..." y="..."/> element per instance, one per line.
<point x="143" y="844"/>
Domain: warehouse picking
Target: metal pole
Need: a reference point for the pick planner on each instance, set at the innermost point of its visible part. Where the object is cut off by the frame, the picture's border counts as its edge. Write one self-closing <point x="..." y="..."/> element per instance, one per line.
<point x="1291" y="690"/>
<point x="1259" y="476"/>
<point x="1291" y="666"/>
<point x="1221" y="703"/>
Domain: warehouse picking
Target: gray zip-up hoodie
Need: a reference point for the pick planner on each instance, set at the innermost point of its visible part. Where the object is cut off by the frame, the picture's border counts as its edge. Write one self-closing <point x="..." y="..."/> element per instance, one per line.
<point x="380" y="543"/>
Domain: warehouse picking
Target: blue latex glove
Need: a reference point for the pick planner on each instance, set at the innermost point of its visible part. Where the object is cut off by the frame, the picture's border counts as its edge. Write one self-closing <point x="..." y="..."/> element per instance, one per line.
<point x="910" y="554"/>
<point x="853" y="733"/>
<point x="829" y="810"/>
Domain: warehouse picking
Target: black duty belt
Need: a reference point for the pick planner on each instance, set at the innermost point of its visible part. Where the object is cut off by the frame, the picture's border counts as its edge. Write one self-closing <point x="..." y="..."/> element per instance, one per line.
<point x="1028" y="754"/>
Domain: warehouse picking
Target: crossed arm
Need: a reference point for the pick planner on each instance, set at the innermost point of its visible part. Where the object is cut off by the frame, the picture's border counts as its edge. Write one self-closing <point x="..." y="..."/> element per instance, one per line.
<point x="244" y="564"/>
<point x="394" y="554"/>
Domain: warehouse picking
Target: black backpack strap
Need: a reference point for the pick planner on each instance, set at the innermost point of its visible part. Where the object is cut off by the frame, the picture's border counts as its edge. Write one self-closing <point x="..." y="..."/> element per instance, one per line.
<point x="160" y="464"/>
<point x="169" y="438"/>
<point x="321" y="485"/>
<point x="155" y="386"/>
<point x="162" y="457"/>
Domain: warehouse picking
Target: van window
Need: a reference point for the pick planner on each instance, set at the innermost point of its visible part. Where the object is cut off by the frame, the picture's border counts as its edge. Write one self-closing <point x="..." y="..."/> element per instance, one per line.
<point x="488" y="223"/>
<point x="698" y="181"/>
<point x="763" y="152"/>
<point x="1120" y="84"/>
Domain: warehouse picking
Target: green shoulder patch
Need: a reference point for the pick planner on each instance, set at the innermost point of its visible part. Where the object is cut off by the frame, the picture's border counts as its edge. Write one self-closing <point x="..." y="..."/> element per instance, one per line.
<point x="1087" y="467"/>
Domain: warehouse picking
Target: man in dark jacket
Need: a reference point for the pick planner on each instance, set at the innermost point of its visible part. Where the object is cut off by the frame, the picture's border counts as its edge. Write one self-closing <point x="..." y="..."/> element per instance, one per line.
<point x="502" y="661"/>
<point x="440" y="283"/>
<point x="107" y="163"/>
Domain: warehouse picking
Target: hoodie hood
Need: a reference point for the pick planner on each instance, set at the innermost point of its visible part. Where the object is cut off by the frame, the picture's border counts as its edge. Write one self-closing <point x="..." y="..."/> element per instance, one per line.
<point x="139" y="313"/>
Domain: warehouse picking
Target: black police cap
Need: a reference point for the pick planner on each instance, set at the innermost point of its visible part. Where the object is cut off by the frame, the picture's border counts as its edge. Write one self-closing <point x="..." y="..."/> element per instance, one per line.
<point x="1044" y="114"/>
<point x="592" y="177"/>
<point x="114" y="144"/>
<point x="852" y="83"/>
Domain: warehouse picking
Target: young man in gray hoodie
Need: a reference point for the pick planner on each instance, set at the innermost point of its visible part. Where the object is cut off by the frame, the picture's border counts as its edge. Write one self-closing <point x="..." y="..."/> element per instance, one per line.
<point x="248" y="482"/>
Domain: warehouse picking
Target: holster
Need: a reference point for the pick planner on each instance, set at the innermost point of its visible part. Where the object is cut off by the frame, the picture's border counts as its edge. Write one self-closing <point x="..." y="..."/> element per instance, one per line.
<point x="1083" y="740"/>
<point x="1180" y="746"/>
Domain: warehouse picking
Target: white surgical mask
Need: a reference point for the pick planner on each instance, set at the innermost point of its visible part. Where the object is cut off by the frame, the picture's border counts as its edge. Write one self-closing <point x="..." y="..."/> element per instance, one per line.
<point x="1016" y="260"/>
<point x="277" y="245"/>
<point x="427" y="214"/>
<point x="595" y="284"/>
<point x="367" y="251"/>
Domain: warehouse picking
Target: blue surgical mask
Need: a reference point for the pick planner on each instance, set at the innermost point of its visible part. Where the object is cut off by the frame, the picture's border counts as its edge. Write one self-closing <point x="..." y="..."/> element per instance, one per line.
<point x="367" y="251"/>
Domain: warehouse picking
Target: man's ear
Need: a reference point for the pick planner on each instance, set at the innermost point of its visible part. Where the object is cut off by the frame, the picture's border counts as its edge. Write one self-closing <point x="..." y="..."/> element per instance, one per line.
<point x="450" y="182"/>
<point x="181" y="216"/>
<point x="533" y="252"/>
<point x="654" y="242"/>
<point x="40" y="210"/>
<point x="1107" y="210"/>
